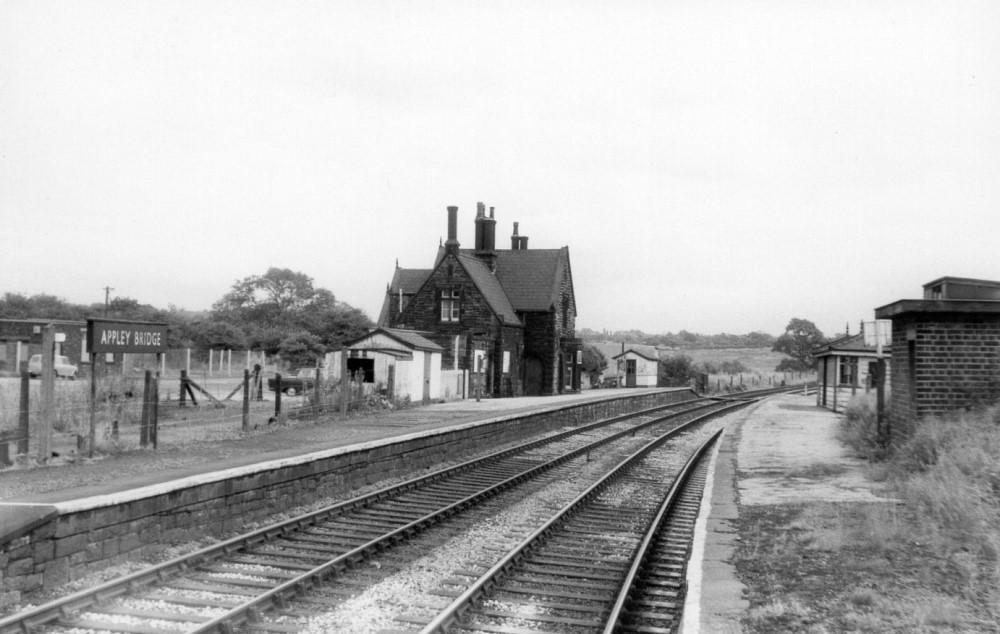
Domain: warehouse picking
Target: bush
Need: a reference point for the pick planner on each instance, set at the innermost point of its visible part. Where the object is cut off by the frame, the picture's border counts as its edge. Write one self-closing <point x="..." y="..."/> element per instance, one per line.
<point x="858" y="429"/>
<point x="948" y="470"/>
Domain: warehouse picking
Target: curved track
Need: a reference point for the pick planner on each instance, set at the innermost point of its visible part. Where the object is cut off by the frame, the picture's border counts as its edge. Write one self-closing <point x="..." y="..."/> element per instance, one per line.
<point x="235" y="583"/>
<point x="215" y="589"/>
<point x="579" y="571"/>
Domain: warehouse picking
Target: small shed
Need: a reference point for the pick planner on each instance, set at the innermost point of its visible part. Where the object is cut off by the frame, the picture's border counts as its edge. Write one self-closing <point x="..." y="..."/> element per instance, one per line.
<point x="845" y="366"/>
<point x="640" y="368"/>
<point x="402" y="362"/>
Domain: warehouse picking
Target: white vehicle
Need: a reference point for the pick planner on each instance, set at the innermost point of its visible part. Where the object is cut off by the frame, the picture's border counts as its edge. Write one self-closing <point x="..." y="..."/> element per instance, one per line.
<point x="64" y="369"/>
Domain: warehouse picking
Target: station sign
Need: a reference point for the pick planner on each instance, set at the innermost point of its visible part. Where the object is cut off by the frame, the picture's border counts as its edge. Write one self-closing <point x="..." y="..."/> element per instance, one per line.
<point x="115" y="335"/>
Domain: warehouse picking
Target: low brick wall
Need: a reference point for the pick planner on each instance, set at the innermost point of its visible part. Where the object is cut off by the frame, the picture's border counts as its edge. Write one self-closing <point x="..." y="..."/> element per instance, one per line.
<point x="70" y="544"/>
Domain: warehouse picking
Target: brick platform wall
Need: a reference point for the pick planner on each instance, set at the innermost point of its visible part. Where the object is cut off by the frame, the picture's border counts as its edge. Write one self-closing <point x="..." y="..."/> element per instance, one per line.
<point x="74" y="544"/>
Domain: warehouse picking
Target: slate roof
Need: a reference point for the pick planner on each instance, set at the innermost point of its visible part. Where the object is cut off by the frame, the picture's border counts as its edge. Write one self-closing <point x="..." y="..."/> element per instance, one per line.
<point x="409" y="280"/>
<point x="532" y="277"/>
<point x="489" y="285"/>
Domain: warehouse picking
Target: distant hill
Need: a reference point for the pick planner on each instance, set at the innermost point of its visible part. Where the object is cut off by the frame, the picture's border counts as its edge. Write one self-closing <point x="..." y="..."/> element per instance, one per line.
<point x="682" y="340"/>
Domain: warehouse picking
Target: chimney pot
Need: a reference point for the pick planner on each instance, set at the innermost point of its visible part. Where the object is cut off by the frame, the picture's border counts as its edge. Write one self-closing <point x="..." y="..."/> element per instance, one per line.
<point x="451" y="246"/>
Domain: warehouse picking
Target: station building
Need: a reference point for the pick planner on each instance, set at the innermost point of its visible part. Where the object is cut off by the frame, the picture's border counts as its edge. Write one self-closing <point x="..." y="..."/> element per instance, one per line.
<point x="945" y="347"/>
<point x="507" y="316"/>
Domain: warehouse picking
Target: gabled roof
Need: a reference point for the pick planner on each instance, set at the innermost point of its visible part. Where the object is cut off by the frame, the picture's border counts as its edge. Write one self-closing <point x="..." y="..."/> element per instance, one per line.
<point x="848" y="344"/>
<point x="651" y="356"/>
<point x="531" y="278"/>
<point x="409" y="338"/>
<point x="490" y="287"/>
<point x="407" y="280"/>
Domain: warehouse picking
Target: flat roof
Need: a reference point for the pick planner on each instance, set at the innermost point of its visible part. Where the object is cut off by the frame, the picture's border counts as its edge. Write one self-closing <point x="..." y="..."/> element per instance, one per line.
<point x="939" y="306"/>
<point x="963" y="280"/>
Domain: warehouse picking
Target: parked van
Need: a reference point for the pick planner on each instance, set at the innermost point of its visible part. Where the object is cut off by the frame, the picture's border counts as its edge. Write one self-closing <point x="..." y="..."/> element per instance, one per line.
<point x="64" y="369"/>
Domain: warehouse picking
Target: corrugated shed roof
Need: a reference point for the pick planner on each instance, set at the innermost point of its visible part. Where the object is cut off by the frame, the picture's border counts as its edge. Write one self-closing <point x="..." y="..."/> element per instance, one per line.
<point x="490" y="287"/>
<point x="410" y="338"/>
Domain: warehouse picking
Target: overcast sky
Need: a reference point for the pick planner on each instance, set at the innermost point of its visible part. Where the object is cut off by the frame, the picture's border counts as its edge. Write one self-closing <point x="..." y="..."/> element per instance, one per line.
<point x="712" y="166"/>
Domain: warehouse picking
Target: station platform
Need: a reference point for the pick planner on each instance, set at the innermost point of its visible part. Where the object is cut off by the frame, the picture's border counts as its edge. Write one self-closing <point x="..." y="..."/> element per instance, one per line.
<point x="67" y="484"/>
<point x="764" y="453"/>
<point x="60" y="520"/>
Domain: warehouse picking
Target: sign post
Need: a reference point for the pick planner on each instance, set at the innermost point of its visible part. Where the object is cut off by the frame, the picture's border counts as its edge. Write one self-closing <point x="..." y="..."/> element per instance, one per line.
<point x="880" y="334"/>
<point x="116" y="335"/>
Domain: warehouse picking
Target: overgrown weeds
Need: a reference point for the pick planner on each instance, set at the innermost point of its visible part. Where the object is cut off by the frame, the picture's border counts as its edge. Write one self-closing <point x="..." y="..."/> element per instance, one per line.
<point x="947" y="471"/>
<point x="929" y="561"/>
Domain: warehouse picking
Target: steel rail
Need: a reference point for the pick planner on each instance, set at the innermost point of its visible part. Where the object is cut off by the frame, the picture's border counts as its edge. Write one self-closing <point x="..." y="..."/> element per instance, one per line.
<point x="28" y="620"/>
<point x="282" y="594"/>
<point x="642" y="552"/>
<point x="450" y="615"/>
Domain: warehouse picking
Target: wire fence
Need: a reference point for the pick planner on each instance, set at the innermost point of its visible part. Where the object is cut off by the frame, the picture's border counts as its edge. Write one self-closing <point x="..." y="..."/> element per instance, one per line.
<point x="119" y="411"/>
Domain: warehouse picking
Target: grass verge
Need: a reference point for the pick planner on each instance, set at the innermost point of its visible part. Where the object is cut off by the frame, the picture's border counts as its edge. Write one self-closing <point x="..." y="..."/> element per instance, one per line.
<point x="926" y="564"/>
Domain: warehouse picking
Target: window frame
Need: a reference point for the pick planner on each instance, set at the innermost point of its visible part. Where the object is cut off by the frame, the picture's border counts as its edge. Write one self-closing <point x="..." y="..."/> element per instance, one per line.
<point x="450" y="305"/>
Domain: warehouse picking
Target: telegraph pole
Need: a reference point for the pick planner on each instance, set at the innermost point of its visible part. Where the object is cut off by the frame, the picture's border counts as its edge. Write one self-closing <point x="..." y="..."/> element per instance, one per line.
<point x="107" y="299"/>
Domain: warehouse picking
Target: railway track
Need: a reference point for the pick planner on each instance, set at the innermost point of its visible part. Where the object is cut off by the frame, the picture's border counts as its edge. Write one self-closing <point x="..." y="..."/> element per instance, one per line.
<point x="221" y="588"/>
<point x="613" y="560"/>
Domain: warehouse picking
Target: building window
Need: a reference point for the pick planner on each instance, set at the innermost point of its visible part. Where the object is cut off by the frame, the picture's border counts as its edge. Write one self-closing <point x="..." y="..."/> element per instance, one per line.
<point x="848" y="370"/>
<point x="360" y="368"/>
<point x="449" y="304"/>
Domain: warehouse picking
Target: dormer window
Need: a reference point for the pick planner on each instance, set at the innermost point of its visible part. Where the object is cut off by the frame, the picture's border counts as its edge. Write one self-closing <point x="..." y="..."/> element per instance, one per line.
<point x="450" y="304"/>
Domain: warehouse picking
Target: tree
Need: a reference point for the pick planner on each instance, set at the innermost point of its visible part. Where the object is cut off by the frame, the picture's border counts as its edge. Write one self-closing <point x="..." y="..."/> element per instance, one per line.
<point x="276" y="298"/>
<point x="18" y="306"/>
<point x="798" y="341"/>
<point x="594" y="363"/>
<point x="301" y="348"/>
<point x="281" y="306"/>
<point x="676" y="370"/>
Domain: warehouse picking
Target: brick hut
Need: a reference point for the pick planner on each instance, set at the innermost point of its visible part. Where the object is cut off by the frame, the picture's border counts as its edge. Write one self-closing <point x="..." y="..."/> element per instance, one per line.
<point x="945" y="347"/>
<point x="508" y="315"/>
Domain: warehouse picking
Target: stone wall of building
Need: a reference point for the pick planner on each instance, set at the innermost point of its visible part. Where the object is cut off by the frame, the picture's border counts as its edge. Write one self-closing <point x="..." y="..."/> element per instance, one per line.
<point x="477" y="326"/>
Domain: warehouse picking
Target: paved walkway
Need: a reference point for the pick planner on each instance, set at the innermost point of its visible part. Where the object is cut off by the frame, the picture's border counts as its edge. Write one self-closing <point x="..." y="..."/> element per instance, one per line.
<point x="771" y="453"/>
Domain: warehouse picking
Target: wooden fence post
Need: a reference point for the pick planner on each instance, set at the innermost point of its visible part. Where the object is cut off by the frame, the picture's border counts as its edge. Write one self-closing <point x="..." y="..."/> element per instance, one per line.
<point x="144" y="420"/>
<point x="345" y="383"/>
<point x="277" y="394"/>
<point x="154" y="410"/>
<point x="22" y="419"/>
<point x="317" y="392"/>
<point x="246" y="399"/>
<point x="47" y="394"/>
<point x="182" y="401"/>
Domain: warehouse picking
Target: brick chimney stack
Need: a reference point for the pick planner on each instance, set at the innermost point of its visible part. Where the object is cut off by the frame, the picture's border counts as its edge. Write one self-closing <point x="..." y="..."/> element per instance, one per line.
<point x="486" y="229"/>
<point x="451" y="245"/>
<point x="518" y="243"/>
